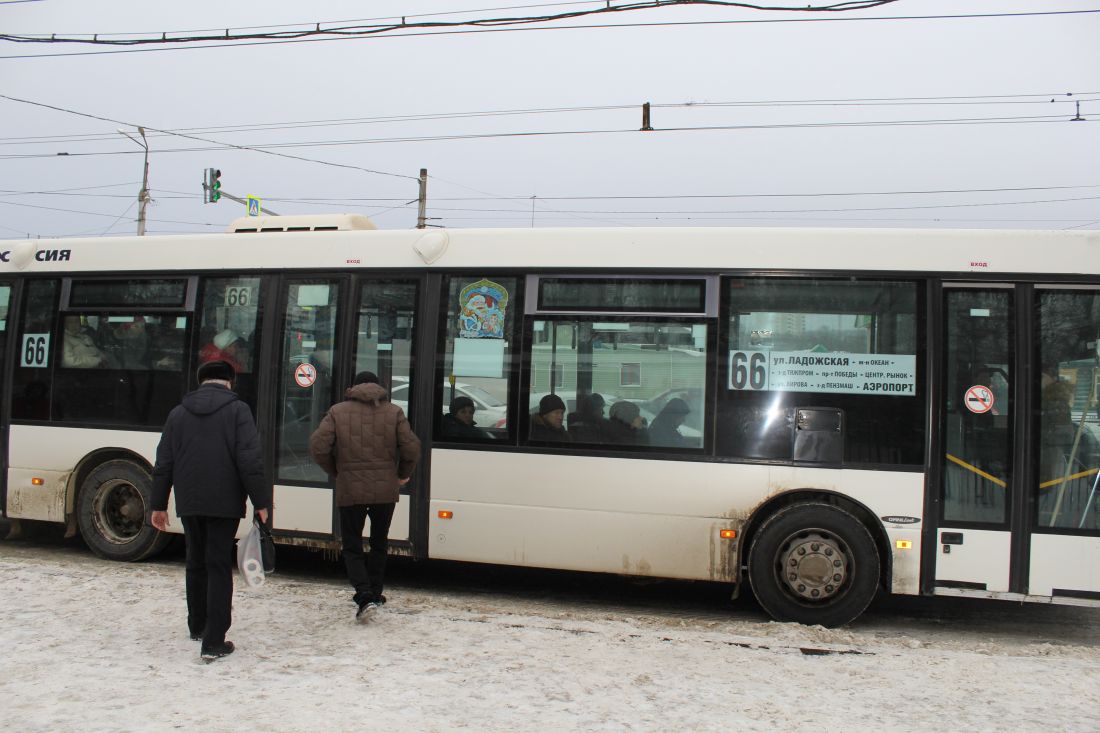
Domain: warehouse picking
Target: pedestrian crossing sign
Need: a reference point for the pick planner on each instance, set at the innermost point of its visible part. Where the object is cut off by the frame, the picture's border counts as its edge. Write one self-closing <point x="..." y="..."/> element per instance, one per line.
<point x="253" y="206"/>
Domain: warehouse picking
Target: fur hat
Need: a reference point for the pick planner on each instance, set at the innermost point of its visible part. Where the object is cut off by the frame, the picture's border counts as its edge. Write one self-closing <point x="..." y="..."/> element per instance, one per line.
<point x="549" y="403"/>
<point x="224" y="338"/>
<point x="216" y="370"/>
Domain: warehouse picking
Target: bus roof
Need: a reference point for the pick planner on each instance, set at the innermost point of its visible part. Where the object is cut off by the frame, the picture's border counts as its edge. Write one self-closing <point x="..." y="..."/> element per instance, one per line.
<point x="986" y="251"/>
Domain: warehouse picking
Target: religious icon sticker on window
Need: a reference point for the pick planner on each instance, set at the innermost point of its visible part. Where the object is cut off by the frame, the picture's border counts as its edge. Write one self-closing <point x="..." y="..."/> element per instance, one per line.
<point x="483" y="306"/>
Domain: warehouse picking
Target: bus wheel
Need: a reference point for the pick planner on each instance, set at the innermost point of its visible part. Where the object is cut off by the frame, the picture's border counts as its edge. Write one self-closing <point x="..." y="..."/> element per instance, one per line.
<point x="814" y="564"/>
<point x="111" y="511"/>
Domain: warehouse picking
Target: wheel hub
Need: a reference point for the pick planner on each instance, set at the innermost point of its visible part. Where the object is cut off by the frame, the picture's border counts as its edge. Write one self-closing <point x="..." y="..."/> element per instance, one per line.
<point x="118" y="511"/>
<point x="813" y="565"/>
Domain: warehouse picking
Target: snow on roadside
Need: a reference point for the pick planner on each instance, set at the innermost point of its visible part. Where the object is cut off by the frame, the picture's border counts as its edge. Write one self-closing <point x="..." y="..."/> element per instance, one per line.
<point x="101" y="646"/>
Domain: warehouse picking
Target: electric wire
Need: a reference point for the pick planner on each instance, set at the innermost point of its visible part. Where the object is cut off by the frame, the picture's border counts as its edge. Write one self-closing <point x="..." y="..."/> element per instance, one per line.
<point x="207" y="140"/>
<point x="436" y="32"/>
<point x="357" y="30"/>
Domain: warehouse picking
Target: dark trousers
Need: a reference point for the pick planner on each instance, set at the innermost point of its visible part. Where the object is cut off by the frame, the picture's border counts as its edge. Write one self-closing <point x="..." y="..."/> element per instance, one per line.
<point x="209" y="576"/>
<point x="366" y="573"/>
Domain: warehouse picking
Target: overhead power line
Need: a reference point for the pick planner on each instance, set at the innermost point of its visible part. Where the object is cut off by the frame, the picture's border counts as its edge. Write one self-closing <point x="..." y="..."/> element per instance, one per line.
<point x="983" y="100"/>
<point x="220" y="145"/>
<point x="177" y="45"/>
<point x="107" y="39"/>
<point x="271" y="147"/>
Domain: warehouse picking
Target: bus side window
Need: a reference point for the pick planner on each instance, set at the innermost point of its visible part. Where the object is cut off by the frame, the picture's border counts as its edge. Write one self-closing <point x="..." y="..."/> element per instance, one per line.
<point x="807" y="353"/>
<point x="31" y="382"/>
<point x="229" y="311"/>
<point x="480" y="318"/>
<point x="623" y="383"/>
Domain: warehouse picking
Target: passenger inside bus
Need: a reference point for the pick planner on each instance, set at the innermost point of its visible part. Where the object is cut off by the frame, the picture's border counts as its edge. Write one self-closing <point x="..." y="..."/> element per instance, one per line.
<point x="80" y="350"/>
<point x="127" y="344"/>
<point x="626" y="426"/>
<point x="459" y="422"/>
<point x="587" y="424"/>
<point x="548" y="424"/>
<point x="665" y="430"/>
<point x="226" y="346"/>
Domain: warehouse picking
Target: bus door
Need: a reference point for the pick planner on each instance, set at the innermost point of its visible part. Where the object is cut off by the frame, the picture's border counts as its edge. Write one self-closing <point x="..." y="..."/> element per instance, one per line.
<point x="974" y="536"/>
<point x="5" y="305"/>
<point x="1065" y="489"/>
<point x="1019" y="500"/>
<point x="382" y="335"/>
<point x="307" y="351"/>
<point x="332" y="329"/>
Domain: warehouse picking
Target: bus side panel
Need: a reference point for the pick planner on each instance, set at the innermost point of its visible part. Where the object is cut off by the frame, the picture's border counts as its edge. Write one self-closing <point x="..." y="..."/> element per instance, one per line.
<point x="629" y="515"/>
<point x="1064" y="562"/>
<point x="52" y="453"/>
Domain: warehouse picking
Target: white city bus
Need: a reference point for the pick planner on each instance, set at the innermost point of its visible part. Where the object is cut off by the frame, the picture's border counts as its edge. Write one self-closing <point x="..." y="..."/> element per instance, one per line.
<point x="823" y="414"/>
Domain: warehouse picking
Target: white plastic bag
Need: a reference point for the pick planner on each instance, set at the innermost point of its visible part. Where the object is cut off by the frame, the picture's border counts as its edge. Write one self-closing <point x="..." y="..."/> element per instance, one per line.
<point x="250" y="558"/>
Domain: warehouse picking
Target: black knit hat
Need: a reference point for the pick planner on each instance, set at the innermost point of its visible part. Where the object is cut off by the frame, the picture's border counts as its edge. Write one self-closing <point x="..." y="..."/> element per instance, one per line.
<point x="460" y="402"/>
<point x="216" y="370"/>
<point x="549" y="403"/>
<point x="365" y="378"/>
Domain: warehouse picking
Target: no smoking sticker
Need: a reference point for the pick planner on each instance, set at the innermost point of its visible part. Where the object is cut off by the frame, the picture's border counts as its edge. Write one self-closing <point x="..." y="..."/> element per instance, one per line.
<point x="979" y="399"/>
<point x="305" y="375"/>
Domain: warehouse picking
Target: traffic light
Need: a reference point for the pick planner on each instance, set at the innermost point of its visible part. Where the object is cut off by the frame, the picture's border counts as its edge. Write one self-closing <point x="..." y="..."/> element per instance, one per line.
<point x="212" y="186"/>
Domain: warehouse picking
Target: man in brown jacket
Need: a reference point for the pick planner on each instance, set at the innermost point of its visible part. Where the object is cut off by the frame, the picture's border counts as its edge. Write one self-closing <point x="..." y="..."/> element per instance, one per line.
<point x="366" y="443"/>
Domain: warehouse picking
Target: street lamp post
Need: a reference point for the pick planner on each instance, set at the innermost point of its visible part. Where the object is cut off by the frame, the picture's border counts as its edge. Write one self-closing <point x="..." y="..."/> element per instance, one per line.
<point x="143" y="195"/>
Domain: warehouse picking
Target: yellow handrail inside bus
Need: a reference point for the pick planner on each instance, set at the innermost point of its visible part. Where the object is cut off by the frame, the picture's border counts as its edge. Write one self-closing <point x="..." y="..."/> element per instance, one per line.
<point x="976" y="470"/>
<point x="1081" y="474"/>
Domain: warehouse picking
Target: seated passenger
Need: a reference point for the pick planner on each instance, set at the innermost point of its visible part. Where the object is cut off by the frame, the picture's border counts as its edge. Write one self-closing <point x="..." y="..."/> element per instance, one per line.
<point x="665" y="428"/>
<point x="459" y="422"/>
<point x="548" y="423"/>
<point x="80" y="349"/>
<point x="626" y="426"/>
<point x="127" y="344"/>
<point x="228" y="347"/>
<point x="587" y="424"/>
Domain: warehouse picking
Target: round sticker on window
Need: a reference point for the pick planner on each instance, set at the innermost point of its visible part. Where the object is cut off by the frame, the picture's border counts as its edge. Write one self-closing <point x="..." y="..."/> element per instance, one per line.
<point x="305" y="375"/>
<point x="979" y="399"/>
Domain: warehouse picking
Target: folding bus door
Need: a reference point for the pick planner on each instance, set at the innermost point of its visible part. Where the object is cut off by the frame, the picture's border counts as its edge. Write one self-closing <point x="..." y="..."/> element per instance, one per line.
<point x="1064" y="488"/>
<point x="974" y="537"/>
<point x="383" y="341"/>
<point x="332" y="329"/>
<point x="306" y="386"/>
<point x="5" y="305"/>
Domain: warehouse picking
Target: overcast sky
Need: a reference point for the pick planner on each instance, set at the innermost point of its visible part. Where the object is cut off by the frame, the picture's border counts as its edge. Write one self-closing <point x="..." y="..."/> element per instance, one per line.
<point x="756" y="165"/>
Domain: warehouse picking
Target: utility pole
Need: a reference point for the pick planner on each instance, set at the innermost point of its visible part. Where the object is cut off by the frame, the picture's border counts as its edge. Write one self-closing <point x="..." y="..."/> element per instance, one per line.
<point x="421" y="216"/>
<point x="143" y="195"/>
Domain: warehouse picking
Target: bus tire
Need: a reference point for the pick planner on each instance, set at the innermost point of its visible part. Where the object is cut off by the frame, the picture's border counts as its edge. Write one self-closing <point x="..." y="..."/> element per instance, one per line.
<point x="815" y="564"/>
<point x="112" y="509"/>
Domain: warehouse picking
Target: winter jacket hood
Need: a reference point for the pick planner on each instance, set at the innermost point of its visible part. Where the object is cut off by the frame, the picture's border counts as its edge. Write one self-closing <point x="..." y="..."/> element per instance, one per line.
<point x="208" y="399"/>
<point x="369" y="393"/>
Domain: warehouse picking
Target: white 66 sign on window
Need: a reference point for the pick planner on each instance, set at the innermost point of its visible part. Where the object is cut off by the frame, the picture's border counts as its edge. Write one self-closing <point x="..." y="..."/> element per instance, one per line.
<point x="36" y="350"/>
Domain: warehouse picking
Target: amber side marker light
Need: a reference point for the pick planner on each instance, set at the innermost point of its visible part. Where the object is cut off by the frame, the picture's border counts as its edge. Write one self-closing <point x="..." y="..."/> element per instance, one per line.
<point x="904" y="544"/>
<point x="37" y="481"/>
<point x="445" y="514"/>
<point x="728" y="534"/>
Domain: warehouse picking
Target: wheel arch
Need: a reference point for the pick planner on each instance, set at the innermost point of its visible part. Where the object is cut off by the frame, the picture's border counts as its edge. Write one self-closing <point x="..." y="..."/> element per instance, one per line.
<point x="804" y="496"/>
<point x="91" y="462"/>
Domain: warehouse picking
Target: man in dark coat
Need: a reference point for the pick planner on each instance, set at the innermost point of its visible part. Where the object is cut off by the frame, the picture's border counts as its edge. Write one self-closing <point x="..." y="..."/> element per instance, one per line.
<point x="366" y="443"/>
<point x="210" y="452"/>
<point x="548" y="424"/>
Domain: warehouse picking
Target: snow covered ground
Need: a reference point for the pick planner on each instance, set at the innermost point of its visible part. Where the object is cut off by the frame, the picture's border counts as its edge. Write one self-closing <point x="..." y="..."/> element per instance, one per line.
<point x="95" y="646"/>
